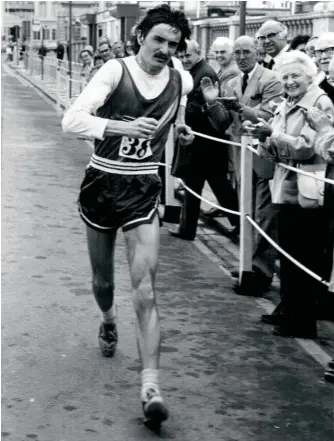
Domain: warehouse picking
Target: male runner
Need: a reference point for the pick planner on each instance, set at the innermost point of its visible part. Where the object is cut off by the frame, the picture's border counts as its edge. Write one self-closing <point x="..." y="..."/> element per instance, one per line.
<point x="128" y="108"/>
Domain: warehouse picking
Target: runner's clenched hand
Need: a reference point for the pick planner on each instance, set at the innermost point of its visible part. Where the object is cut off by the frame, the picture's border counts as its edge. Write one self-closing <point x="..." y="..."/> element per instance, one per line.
<point x="141" y="128"/>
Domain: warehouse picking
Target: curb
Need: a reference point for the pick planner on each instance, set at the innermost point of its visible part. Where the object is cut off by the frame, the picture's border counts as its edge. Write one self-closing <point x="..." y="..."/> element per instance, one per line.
<point x="45" y="92"/>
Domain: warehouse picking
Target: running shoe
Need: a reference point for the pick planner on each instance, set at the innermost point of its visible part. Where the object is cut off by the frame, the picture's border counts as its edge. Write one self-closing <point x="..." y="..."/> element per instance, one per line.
<point x="108" y="339"/>
<point x="154" y="408"/>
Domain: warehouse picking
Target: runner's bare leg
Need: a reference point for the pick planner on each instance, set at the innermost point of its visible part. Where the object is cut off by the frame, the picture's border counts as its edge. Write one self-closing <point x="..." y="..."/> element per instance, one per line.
<point x="101" y="247"/>
<point x="143" y="249"/>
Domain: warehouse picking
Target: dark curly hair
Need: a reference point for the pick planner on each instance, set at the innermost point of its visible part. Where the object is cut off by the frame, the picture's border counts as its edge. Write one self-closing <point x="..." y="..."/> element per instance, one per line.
<point x="298" y="40"/>
<point x="162" y="14"/>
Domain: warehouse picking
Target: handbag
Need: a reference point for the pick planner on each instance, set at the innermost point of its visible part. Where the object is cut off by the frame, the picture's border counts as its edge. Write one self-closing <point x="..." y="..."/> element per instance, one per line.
<point x="311" y="191"/>
<point x="181" y="161"/>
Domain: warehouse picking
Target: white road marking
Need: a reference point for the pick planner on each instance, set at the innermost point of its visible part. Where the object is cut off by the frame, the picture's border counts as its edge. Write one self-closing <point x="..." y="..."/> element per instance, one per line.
<point x="309" y="346"/>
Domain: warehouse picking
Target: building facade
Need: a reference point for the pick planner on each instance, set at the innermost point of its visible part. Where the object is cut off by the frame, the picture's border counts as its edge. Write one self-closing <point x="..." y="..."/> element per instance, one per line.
<point x="44" y="26"/>
<point x="16" y="19"/>
<point x="78" y="28"/>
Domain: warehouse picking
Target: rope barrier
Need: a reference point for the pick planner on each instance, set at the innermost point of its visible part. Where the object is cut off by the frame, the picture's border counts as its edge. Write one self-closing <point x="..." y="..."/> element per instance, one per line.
<point x="288" y="256"/>
<point x="288" y="167"/>
<point x="302" y="172"/>
<point x="223" y="141"/>
<point x="257" y="227"/>
<point x="75" y="81"/>
<point x="227" y="210"/>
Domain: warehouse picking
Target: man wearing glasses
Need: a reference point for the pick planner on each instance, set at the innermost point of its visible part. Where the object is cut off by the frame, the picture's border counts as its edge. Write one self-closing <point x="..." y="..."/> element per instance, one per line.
<point x="272" y="36"/>
<point x="324" y="51"/>
<point x="105" y="50"/>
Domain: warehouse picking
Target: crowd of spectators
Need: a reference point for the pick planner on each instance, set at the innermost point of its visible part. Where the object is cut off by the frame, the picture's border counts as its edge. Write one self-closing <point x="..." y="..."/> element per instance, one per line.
<point x="92" y="61"/>
<point x="282" y="94"/>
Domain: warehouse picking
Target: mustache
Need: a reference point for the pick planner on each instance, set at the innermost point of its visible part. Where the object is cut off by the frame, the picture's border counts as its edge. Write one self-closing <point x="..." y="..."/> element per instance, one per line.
<point x="161" y="57"/>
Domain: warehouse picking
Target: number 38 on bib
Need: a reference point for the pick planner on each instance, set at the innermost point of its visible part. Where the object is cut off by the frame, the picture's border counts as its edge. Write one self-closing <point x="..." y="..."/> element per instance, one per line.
<point x="135" y="148"/>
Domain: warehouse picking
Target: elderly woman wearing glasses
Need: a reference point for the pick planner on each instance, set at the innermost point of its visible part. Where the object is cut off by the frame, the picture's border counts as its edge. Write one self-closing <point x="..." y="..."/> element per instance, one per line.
<point x="290" y="139"/>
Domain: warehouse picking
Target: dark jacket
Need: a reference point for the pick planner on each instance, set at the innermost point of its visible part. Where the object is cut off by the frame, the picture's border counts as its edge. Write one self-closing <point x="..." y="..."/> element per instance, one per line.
<point x="196" y="116"/>
<point x="328" y="88"/>
<point x="60" y="51"/>
<point x="42" y="51"/>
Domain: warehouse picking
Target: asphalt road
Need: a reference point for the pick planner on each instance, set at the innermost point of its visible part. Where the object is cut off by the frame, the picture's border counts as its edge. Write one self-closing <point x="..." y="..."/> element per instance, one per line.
<point x="223" y="374"/>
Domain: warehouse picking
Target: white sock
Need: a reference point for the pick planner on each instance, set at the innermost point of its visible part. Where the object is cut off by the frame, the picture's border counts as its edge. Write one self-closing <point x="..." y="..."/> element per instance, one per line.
<point x="110" y="315"/>
<point x="149" y="380"/>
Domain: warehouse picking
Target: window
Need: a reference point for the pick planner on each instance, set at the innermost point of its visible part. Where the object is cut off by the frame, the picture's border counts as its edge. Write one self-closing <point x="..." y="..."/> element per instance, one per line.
<point x="46" y="34"/>
<point x="36" y="35"/>
<point x="42" y="9"/>
<point x="54" y="34"/>
<point x="77" y="32"/>
<point x="54" y="10"/>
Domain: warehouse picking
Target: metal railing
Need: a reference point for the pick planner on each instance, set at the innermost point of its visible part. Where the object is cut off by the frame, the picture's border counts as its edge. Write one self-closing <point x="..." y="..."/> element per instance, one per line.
<point x="56" y="75"/>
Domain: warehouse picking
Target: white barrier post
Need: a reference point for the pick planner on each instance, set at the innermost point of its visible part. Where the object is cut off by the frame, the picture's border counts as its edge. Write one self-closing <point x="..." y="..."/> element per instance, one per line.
<point x="246" y="233"/>
<point x="58" y="98"/>
<point x="31" y="61"/>
<point x="172" y="210"/>
<point x="67" y="93"/>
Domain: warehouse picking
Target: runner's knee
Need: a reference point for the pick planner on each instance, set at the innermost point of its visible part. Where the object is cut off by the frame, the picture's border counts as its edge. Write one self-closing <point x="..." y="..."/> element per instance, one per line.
<point x="144" y="297"/>
<point x="102" y="286"/>
<point x="144" y="300"/>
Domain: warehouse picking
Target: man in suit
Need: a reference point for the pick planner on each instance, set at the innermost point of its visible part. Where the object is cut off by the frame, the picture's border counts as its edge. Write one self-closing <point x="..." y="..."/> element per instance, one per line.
<point x="272" y="36"/>
<point x="222" y="48"/>
<point x="324" y="51"/>
<point x="208" y="158"/>
<point x="253" y="89"/>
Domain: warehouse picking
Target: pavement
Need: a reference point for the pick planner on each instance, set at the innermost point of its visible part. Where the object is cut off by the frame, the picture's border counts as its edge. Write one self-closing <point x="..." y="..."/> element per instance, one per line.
<point x="223" y="375"/>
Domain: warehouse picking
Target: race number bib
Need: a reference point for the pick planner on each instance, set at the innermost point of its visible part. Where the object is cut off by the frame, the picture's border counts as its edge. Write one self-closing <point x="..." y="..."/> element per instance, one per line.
<point x="135" y="148"/>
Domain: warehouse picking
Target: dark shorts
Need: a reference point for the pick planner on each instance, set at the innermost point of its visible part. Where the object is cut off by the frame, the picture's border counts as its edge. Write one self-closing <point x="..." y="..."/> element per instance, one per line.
<point x="110" y="201"/>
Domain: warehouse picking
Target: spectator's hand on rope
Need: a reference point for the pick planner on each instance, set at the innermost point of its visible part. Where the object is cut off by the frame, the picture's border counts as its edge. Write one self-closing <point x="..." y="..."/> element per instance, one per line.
<point x="210" y="91"/>
<point x="317" y="119"/>
<point x="261" y="130"/>
<point x="184" y="134"/>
